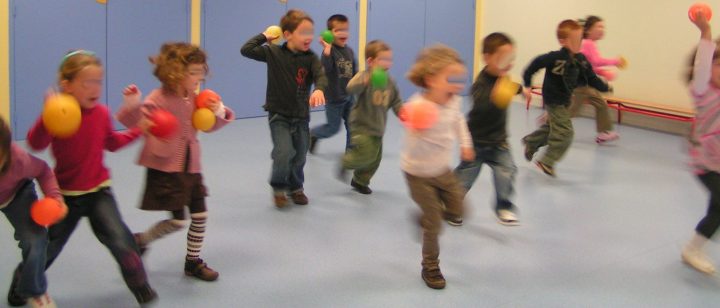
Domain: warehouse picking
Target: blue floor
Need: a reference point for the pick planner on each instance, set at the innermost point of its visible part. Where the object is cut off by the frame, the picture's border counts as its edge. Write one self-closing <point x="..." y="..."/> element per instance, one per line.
<point x="606" y="233"/>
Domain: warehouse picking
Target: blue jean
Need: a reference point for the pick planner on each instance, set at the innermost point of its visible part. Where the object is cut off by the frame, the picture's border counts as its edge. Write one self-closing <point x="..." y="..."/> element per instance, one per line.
<point x="33" y="241"/>
<point x="500" y="161"/>
<point x="291" y="139"/>
<point x="335" y="112"/>
<point x="109" y="228"/>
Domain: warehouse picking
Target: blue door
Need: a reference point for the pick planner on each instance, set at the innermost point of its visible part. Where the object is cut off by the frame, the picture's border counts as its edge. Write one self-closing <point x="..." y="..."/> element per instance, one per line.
<point x="136" y="29"/>
<point x="452" y="25"/>
<point x="41" y="34"/>
<point x="227" y="25"/>
<point x="400" y="23"/>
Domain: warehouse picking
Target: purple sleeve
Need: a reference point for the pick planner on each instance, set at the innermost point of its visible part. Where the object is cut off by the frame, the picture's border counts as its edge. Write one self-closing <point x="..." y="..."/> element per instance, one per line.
<point x="39" y="169"/>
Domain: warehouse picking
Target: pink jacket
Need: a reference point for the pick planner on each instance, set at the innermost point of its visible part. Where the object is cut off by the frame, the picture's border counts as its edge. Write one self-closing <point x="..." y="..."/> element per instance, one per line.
<point x="168" y="155"/>
<point x="589" y="49"/>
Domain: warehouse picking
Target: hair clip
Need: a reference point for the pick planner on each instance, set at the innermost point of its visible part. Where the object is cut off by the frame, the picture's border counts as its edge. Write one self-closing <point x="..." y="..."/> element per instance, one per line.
<point x="74" y="53"/>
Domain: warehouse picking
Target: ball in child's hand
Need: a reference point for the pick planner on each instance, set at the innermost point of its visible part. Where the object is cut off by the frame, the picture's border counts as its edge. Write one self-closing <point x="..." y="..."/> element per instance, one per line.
<point x="165" y="124"/>
<point x="275" y="31"/>
<point x="503" y="92"/>
<point x="61" y="115"/>
<point x="327" y="36"/>
<point x="202" y="99"/>
<point x="623" y="63"/>
<point x="379" y="77"/>
<point x="203" y="119"/>
<point x="419" y="115"/>
<point x="47" y="211"/>
<point x="700" y="7"/>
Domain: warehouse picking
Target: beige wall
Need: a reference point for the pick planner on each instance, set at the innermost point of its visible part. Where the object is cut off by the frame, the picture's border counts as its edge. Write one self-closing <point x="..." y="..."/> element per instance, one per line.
<point x="655" y="36"/>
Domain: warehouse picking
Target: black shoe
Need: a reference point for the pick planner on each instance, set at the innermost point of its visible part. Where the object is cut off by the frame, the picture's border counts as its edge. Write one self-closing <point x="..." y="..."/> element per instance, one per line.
<point x="452" y="219"/>
<point x="365" y="190"/>
<point x="529" y="151"/>
<point x="14" y="299"/>
<point x="433" y="278"/>
<point x="313" y="144"/>
<point x="144" y="294"/>
<point x="546" y="169"/>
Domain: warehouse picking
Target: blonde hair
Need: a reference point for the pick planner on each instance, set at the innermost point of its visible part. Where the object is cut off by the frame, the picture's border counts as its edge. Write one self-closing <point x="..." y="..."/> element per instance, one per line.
<point x="75" y="61"/>
<point x="567" y="26"/>
<point x="171" y="64"/>
<point x="374" y="48"/>
<point x="431" y="61"/>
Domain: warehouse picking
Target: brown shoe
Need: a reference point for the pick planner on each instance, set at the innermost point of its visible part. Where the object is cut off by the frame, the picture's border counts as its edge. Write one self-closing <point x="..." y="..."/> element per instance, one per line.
<point x="433" y="278"/>
<point x="199" y="269"/>
<point x="299" y="198"/>
<point x="280" y="200"/>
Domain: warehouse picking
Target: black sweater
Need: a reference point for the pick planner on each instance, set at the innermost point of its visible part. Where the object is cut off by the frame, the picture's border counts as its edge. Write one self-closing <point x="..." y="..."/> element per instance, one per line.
<point x="290" y="75"/>
<point x="339" y="68"/>
<point x="487" y="122"/>
<point x="563" y="73"/>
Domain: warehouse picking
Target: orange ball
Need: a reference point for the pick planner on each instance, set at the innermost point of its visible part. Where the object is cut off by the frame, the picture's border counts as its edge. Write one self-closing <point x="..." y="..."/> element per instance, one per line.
<point x="206" y="95"/>
<point x="700" y="7"/>
<point x="419" y="115"/>
<point x="47" y="211"/>
<point x="61" y="115"/>
<point x="203" y="119"/>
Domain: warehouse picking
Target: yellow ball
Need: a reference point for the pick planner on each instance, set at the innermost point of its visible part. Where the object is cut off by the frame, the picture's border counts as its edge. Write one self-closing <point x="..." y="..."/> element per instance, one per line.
<point x="275" y="31"/>
<point x="61" y="115"/>
<point x="203" y="119"/>
<point x="503" y="92"/>
<point x="623" y="63"/>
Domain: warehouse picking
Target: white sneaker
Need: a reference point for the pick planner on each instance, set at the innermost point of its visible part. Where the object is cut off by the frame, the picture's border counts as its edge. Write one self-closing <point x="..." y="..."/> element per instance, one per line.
<point x="605" y="137"/>
<point x="507" y="217"/>
<point x="42" y="301"/>
<point x="698" y="260"/>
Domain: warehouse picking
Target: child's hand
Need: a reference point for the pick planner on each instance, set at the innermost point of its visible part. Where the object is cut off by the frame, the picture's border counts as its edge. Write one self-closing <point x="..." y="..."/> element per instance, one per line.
<point x="145" y="124"/>
<point x="326" y="47"/>
<point x="213" y="104"/>
<point x="269" y="36"/>
<point x="701" y="22"/>
<point x="527" y="92"/>
<point x="467" y="154"/>
<point x="317" y="98"/>
<point x="131" y="95"/>
<point x="64" y="209"/>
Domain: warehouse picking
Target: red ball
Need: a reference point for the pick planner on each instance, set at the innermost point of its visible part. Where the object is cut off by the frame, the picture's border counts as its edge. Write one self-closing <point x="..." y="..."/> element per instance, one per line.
<point x="419" y="115"/>
<point x="206" y="95"/>
<point x="47" y="211"/>
<point x="165" y="124"/>
<point x="700" y="7"/>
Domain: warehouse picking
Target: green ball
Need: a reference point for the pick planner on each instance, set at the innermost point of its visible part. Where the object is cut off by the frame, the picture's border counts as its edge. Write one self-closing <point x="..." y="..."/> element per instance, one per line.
<point x="327" y="36"/>
<point x="379" y="78"/>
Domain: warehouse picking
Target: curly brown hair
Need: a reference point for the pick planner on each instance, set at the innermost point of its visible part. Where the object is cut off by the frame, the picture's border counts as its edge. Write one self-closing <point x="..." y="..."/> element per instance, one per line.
<point x="431" y="61"/>
<point x="171" y="64"/>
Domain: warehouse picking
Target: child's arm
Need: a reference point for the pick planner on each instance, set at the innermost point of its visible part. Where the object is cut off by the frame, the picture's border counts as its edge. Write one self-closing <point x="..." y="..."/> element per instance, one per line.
<point x="396" y="101"/>
<point x="536" y="64"/>
<point x="223" y="115"/>
<point x="318" y="96"/>
<point x="702" y="68"/>
<point x="592" y="78"/>
<point x="40" y="170"/>
<point x="254" y="48"/>
<point x="358" y="83"/>
<point x="130" y="112"/>
<point x="467" y="152"/>
<point x="589" y="49"/>
<point x="38" y="138"/>
<point x="116" y="140"/>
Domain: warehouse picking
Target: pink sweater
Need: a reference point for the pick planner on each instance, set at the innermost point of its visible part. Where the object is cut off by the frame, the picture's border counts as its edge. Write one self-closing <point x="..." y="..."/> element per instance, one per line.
<point x="79" y="162"/>
<point x="168" y="155"/>
<point x="705" y="139"/>
<point x="589" y="49"/>
<point x="24" y="166"/>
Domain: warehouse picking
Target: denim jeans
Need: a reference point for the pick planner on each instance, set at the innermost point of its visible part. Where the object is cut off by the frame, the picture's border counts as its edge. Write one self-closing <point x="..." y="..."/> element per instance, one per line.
<point x="33" y="241"/>
<point x="335" y="111"/>
<point x="291" y="139"/>
<point x="500" y="160"/>
<point x="109" y="228"/>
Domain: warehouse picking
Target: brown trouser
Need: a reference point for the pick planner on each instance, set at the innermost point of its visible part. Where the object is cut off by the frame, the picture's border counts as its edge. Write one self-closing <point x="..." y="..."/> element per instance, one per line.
<point x="435" y="196"/>
<point x="593" y="97"/>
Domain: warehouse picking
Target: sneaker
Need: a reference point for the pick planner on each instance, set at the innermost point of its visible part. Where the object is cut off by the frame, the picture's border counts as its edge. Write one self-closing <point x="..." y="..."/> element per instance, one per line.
<point x="529" y="151"/>
<point x="605" y="137"/>
<point x="14" y="299"/>
<point x="199" y="269"/>
<point x="545" y="168"/>
<point x="365" y="190"/>
<point x="43" y="301"/>
<point x="433" y="278"/>
<point x="698" y="260"/>
<point x="313" y="144"/>
<point x="142" y="248"/>
<point x="507" y="217"/>
<point x="280" y="200"/>
<point x="144" y="294"/>
<point x="453" y="220"/>
<point x="299" y="198"/>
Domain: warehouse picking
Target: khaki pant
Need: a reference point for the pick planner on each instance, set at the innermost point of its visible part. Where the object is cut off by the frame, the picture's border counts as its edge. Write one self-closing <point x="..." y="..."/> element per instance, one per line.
<point x="593" y="97"/>
<point x="435" y="196"/>
<point x="557" y="133"/>
<point x="364" y="157"/>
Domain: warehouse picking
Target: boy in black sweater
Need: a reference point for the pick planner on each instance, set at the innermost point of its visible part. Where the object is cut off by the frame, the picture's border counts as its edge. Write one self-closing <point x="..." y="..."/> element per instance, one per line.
<point x="564" y="69"/>
<point x="292" y="69"/>
<point x="487" y="123"/>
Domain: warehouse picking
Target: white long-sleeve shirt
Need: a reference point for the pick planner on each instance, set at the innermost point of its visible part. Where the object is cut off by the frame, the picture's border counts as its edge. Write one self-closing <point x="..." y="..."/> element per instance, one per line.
<point x="427" y="152"/>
